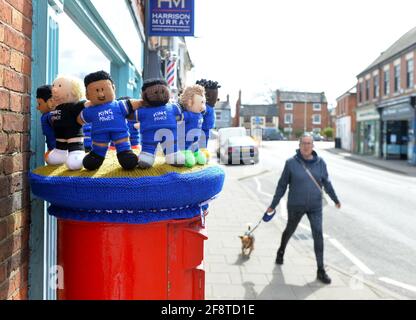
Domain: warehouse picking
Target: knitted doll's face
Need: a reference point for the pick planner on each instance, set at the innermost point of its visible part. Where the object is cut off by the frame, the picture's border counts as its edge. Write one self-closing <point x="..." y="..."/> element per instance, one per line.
<point x="212" y="96"/>
<point x="42" y="105"/>
<point x="62" y="91"/>
<point x="100" y="92"/>
<point x="197" y="104"/>
<point x="156" y="95"/>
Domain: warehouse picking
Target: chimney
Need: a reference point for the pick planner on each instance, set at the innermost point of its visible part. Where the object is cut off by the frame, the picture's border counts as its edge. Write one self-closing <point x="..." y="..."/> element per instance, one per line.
<point x="236" y="120"/>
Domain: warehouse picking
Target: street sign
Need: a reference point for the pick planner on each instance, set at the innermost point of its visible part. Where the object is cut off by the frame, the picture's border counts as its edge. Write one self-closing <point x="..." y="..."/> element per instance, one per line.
<point x="171" y="18"/>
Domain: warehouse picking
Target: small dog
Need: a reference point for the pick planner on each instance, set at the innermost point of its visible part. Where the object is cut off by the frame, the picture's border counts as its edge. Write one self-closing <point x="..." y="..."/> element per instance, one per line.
<point x="247" y="243"/>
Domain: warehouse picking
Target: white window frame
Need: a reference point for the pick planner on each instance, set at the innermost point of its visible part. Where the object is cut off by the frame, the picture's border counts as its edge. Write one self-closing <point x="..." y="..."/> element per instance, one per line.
<point x="288" y="106"/>
<point x="317" y="107"/>
<point x="286" y="118"/>
<point x="313" y="118"/>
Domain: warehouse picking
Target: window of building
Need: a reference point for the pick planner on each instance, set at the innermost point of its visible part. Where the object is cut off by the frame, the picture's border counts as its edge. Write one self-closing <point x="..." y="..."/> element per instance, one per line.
<point x="359" y="92"/>
<point x="316" y="119"/>
<point x="367" y="90"/>
<point x="81" y="59"/>
<point x="288" y="106"/>
<point x="269" y="119"/>
<point x="218" y="115"/>
<point x="396" y="78"/>
<point x="409" y="74"/>
<point x="288" y="118"/>
<point x="316" y="107"/>
<point x="376" y="86"/>
<point x="386" y="77"/>
<point x="247" y="119"/>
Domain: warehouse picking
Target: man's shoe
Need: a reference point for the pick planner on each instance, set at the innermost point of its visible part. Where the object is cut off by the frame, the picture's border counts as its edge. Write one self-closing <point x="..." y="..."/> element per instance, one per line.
<point x="279" y="257"/>
<point x="323" y="276"/>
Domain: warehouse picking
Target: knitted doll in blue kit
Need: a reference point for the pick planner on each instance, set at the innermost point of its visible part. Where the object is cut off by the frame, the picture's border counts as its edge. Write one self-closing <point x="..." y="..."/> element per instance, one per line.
<point x="211" y="94"/>
<point x="108" y="122"/>
<point x="158" y="124"/>
<point x="43" y="95"/>
<point x="193" y="101"/>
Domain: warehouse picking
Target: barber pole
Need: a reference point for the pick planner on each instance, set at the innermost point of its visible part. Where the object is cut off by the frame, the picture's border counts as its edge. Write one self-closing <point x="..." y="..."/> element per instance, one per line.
<point x="171" y="72"/>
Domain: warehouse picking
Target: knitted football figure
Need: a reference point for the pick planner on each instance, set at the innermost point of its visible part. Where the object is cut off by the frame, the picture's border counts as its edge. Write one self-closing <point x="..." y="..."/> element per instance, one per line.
<point x="193" y="102"/>
<point x="108" y="122"/>
<point x="211" y="94"/>
<point x="43" y="95"/>
<point x="66" y="95"/>
<point x="158" y="124"/>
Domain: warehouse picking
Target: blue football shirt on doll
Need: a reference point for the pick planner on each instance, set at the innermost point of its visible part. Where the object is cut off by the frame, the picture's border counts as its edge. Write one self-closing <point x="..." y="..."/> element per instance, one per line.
<point x="153" y="119"/>
<point x="108" y="123"/>
<point x="47" y="131"/>
<point x="208" y="124"/>
<point x="193" y="124"/>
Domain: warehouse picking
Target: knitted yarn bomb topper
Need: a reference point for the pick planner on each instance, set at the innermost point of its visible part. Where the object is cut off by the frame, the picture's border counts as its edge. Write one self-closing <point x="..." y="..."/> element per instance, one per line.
<point x="211" y="90"/>
<point x="193" y="101"/>
<point x="157" y="119"/>
<point x="155" y="92"/>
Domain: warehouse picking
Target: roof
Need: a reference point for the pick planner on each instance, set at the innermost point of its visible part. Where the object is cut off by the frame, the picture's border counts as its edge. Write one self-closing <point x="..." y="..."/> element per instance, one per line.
<point x="352" y="91"/>
<point x="222" y="105"/>
<point x="265" y="110"/>
<point x="404" y="42"/>
<point x="296" y="96"/>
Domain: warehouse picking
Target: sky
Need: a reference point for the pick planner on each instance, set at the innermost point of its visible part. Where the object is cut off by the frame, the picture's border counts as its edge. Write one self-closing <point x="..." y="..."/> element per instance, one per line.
<point x="302" y="45"/>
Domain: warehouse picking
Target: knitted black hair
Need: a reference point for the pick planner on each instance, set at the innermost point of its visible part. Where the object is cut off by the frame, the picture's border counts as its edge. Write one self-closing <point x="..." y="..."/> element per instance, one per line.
<point x="151" y="82"/>
<point x="97" y="76"/>
<point x="44" y="92"/>
<point x="208" y="84"/>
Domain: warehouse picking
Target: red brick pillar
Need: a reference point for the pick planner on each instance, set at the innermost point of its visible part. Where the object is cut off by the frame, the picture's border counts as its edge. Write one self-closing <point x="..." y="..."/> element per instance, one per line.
<point x="15" y="73"/>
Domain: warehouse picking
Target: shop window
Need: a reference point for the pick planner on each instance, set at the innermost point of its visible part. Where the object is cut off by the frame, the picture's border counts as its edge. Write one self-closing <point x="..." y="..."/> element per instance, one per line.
<point x="269" y="119"/>
<point x="78" y="55"/>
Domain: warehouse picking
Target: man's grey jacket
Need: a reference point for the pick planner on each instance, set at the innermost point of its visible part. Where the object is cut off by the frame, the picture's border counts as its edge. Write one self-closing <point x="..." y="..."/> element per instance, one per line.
<point x="302" y="190"/>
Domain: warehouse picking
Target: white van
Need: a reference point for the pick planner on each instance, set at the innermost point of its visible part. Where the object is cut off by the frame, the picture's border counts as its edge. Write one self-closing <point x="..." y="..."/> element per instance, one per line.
<point x="225" y="133"/>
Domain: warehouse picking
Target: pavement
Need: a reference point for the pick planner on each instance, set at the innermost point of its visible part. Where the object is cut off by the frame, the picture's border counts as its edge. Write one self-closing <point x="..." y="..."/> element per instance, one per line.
<point x="231" y="276"/>
<point x="397" y="166"/>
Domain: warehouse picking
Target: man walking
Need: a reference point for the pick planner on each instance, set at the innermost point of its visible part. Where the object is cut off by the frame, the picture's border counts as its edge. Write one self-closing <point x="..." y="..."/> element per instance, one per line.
<point x="305" y="173"/>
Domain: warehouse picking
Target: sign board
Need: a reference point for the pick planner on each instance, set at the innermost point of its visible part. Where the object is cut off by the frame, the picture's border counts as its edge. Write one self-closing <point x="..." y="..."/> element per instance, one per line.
<point x="171" y="18"/>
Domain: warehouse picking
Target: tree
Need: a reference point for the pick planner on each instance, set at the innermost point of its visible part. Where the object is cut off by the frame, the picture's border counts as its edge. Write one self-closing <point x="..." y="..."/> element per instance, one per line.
<point x="329" y="133"/>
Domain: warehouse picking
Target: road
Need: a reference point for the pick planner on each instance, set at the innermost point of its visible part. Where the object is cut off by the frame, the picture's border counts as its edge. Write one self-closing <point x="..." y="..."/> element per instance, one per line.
<point x="373" y="234"/>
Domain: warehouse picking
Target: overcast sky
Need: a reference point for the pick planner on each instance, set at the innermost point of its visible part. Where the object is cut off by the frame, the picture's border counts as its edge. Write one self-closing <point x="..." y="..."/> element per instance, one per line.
<point x="305" y="45"/>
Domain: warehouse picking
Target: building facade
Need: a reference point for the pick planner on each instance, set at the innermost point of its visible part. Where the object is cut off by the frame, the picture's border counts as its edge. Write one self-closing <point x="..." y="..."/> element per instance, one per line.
<point x="223" y="114"/>
<point x="302" y="112"/>
<point x="259" y="116"/>
<point x="345" y="119"/>
<point x="386" y="93"/>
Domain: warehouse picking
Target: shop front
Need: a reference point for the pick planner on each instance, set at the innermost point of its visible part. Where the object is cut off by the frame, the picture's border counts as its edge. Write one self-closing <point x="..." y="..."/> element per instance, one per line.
<point x="75" y="38"/>
<point x="368" y="131"/>
<point x="398" y="126"/>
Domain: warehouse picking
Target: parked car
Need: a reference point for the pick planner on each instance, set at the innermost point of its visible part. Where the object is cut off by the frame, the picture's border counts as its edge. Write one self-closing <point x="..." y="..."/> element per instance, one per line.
<point x="239" y="149"/>
<point x="225" y="133"/>
<point x="272" y="134"/>
<point x="317" y="137"/>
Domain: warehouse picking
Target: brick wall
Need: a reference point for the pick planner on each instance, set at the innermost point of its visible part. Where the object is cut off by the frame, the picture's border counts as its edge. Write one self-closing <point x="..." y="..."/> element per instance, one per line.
<point x="299" y="116"/>
<point x="15" y="69"/>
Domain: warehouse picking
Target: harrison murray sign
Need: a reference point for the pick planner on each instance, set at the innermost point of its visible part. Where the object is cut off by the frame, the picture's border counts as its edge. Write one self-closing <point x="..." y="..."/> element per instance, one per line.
<point x="171" y="18"/>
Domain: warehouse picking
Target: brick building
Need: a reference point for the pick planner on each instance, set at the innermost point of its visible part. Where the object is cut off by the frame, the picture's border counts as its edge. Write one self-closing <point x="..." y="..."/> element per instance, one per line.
<point x="345" y="119"/>
<point x="302" y="112"/>
<point x="386" y="92"/>
<point x="15" y="88"/>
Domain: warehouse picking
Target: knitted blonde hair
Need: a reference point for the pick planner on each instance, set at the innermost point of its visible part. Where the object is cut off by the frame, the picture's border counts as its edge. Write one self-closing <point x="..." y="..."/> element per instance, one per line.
<point x="78" y="88"/>
<point x="189" y="92"/>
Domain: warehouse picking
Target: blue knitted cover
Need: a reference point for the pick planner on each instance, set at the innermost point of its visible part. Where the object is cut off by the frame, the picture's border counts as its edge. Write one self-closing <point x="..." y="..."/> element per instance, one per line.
<point x="142" y="199"/>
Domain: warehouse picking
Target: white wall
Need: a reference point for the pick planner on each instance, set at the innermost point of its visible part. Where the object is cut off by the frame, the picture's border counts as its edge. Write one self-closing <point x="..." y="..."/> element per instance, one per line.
<point x="344" y="132"/>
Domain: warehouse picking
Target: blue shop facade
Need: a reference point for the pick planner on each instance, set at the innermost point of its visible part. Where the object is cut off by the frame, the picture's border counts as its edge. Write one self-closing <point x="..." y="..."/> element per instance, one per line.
<point x="76" y="37"/>
<point x="398" y="126"/>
